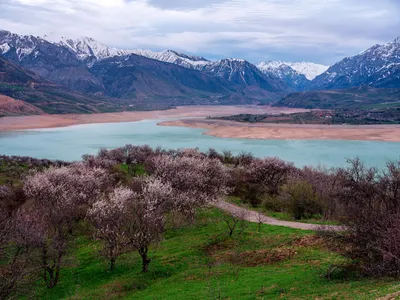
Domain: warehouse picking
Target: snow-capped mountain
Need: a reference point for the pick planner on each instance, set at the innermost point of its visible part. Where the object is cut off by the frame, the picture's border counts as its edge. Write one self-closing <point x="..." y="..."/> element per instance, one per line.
<point x="173" y="57"/>
<point x="283" y="71"/>
<point x="308" y="69"/>
<point x="50" y="61"/>
<point x="378" y="66"/>
<point x="242" y="72"/>
<point x="87" y="48"/>
<point x="23" y="45"/>
<point x="88" y="66"/>
<point x="90" y="51"/>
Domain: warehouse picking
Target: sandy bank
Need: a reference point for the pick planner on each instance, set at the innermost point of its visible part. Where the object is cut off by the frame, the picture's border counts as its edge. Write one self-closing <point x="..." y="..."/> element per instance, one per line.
<point x="49" y="121"/>
<point x="230" y="129"/>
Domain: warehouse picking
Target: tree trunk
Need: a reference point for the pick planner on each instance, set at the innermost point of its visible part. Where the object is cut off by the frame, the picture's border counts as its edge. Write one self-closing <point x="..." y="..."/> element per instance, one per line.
<point x="112" y="263"/>
<point x="145" y="260"/>
<point x="44" y="263"/>
<point x="51" y="273"/>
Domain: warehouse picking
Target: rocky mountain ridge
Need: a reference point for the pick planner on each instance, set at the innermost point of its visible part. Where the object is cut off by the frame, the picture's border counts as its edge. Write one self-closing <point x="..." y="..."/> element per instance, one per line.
<point x="378" y="66"/>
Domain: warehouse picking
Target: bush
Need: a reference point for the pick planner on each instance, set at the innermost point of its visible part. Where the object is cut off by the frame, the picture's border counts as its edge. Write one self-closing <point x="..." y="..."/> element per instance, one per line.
<point x="274" y="203"/>
<point x="302" y="202"/>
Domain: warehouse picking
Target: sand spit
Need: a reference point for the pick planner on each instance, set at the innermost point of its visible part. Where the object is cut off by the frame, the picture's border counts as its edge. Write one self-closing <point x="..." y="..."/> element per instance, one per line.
<point x="231" y="129"/>
<point x="50" y="121"/>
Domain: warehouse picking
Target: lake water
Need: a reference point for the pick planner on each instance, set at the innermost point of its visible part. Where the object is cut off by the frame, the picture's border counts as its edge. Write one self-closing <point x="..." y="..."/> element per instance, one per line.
<point x="70" y="143"/>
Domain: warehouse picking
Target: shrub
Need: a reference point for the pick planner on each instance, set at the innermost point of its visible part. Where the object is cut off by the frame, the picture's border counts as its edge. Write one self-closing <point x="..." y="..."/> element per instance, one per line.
<point x="302" y="202"/>
<point x="274" y="203"/>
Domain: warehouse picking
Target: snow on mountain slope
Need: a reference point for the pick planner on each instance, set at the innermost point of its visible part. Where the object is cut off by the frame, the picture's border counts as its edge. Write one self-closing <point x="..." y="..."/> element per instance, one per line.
<point x="87" y="48"/>
<point x="308" y="69"/>
<point x="243" y="73"/>
<point x="24" y="44"/>
<point x="282" y="70"/>
<point x="170" y="56"/>
<point x="377" y="66"/>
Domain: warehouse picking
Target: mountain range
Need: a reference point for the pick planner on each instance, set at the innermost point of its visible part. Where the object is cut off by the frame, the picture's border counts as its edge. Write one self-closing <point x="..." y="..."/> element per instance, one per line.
<point x="22" y="90"/>
<point x="137" y="78"/>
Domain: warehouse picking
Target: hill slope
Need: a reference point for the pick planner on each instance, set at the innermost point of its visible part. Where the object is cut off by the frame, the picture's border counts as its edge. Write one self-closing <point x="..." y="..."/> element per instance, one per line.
<point x="12" y="107"/>
<point x="357" y="97"/>
<point x="52" y="62"/>
<point x="21" y="84"/>
<point x="141" y="78"/>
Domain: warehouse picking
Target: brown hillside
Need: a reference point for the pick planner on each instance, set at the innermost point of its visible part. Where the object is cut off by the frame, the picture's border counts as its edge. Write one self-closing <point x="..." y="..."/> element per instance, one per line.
<point x="12" y="107"/>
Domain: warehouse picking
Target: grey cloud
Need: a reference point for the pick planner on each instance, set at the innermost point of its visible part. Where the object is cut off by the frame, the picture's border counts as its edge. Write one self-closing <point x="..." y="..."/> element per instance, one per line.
<point x="184" y="4"/>
<point x="320" y="31"/>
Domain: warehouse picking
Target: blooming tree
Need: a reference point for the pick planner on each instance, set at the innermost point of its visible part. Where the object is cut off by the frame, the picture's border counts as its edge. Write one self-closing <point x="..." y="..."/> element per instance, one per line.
<point x="146" y="220"/>
<point x="109" y="218"/>
<point x="58" y="196"/>
<point x="131" y="219"/>
<point x="196" y="182"/>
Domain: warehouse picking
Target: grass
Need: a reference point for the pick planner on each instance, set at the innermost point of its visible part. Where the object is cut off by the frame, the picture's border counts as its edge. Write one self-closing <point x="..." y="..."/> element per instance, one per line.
<point x="11" y="173"/>
<point x="284" y="216"/>
<point x="287" y="217"/>
<point x="202" y="262"/>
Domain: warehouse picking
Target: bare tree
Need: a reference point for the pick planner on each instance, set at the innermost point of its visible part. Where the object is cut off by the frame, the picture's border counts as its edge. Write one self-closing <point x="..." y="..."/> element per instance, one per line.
<point x="326" y="185"/>
<point x="236" y="220"/>
<point x="270" y="173"/>
<point x="260" y="220"/>
<point x="371" y="236"/>
<point x="261" y="177"/>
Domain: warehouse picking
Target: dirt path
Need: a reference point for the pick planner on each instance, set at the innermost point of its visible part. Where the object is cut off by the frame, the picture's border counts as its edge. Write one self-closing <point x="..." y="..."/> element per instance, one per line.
<point x="255" y="217"/>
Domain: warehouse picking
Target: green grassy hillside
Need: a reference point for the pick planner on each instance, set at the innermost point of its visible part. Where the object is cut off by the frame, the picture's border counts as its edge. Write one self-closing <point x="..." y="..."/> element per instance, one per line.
<point x="202" y="262"/>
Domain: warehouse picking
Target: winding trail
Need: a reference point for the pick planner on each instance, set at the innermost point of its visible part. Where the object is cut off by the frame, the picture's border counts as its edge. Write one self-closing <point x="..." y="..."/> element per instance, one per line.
<point x="256" y="217"/>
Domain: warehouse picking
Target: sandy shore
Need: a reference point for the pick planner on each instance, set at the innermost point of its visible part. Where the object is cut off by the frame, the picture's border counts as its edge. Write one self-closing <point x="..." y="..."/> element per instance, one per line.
<point x="230" y="129"/>
<point x="49" y="121"/>
<point x="218" y="128"/>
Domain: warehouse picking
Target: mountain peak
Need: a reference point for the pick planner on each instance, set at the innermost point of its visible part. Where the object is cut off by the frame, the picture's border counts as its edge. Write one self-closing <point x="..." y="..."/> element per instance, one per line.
<point x="308" y="69"/>
<point x="377" y="66"/>
<point x="24" y="45"/>
<point x="282" y="70"/>
<point x="237" y="60"/>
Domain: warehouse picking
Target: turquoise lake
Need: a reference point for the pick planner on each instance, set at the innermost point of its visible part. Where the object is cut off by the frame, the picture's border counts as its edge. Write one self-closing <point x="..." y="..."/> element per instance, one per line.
<point x="70" y="143"/>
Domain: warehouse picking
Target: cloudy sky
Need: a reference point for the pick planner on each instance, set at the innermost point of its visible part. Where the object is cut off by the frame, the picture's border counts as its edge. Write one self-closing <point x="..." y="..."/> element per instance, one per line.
<point x="321" y="31"/>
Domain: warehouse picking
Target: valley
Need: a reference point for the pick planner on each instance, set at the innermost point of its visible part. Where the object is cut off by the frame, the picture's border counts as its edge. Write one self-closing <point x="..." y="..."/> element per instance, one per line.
<point x="199" y="149"/>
